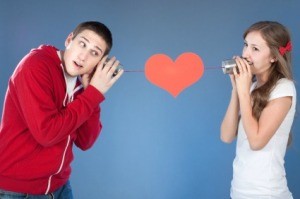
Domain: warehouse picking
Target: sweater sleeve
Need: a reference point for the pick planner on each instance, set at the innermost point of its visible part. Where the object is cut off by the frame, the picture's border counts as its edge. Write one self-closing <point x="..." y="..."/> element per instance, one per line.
<point x="89" y="131"/>
<point x="49" y="123"/>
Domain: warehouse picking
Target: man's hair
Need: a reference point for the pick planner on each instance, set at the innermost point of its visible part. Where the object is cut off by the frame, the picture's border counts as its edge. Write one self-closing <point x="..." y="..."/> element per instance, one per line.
<point x="97" y="27"/>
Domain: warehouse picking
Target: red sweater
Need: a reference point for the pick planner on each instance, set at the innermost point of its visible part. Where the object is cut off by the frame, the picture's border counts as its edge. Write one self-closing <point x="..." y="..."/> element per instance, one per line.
<point x="37" y="131"/>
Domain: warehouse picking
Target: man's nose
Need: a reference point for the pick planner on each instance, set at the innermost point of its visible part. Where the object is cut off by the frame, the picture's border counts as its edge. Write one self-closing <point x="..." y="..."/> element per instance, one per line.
<point x="83" y="55"/>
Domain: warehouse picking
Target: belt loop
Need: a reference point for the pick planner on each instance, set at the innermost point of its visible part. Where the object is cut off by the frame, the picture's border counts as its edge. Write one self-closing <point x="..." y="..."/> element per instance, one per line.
<point x="52" y="196"/>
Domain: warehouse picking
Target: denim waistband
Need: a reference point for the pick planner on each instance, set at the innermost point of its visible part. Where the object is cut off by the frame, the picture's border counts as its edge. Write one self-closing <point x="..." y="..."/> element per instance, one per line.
<point x="15" y="195"/>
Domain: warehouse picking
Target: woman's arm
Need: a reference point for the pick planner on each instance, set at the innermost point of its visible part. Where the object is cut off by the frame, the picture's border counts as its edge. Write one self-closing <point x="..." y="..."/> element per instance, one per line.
<point x="230" y="122"/>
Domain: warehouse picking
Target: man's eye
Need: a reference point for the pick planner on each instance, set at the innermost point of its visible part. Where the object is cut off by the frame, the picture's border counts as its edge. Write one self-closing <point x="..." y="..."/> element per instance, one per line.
<point x="82" y="44"/>
<point x="94" y="53"/>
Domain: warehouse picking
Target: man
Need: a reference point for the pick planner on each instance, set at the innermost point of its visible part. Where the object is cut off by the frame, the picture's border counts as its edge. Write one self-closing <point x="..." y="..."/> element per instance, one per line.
<point x="52" y="101"/>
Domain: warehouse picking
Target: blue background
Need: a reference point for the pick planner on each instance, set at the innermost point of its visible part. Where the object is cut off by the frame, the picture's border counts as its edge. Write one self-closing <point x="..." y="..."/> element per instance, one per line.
<point x="154" y="146"/>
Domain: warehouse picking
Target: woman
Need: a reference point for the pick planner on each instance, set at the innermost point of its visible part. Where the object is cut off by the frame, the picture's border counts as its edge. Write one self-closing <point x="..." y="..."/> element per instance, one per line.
<point x="261" y="112"/>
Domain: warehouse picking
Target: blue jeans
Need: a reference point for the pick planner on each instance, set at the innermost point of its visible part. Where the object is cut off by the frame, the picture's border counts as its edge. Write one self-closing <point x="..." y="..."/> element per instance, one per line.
<point x="64" y="192"/>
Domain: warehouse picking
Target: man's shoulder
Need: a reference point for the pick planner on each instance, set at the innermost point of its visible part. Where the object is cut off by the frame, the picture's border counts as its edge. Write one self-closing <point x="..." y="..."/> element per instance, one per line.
<point x="44" y="55"/>
<point x="41" y="60"/>
<point x="45" y="51"/>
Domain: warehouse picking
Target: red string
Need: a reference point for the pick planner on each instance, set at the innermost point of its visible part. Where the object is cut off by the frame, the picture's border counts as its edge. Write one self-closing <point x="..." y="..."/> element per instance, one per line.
<point x="141" y="71"/>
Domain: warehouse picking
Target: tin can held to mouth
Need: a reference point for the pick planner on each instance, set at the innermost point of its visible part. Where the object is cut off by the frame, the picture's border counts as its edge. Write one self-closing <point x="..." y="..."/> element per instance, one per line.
<point x="228" y="65"/>
<point x="119" y="67"/>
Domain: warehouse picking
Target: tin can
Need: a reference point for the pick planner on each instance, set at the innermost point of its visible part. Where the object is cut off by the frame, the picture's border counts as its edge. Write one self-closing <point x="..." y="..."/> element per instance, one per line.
<point x="119" y="67"/>
<point x="228" y="65"/>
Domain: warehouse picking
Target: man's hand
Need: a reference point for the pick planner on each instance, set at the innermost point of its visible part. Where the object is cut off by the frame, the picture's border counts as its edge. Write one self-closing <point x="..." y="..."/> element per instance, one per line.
<point x="102" y="79"/>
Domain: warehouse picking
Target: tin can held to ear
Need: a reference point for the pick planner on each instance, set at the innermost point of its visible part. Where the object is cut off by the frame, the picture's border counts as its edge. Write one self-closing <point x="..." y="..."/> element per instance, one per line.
<point x="119" y="67"/>
<point x="228" y="65"/>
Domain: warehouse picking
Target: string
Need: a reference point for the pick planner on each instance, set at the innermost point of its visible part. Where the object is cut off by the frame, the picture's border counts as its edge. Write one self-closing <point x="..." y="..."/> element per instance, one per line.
<point x="134" y="71"/>
<point x="206" y="68"/>
<point x="213" y="67"/>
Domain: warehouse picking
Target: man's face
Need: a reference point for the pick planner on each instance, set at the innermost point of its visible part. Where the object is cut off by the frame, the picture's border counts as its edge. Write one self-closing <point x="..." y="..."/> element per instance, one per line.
<point x="83" y="52"/>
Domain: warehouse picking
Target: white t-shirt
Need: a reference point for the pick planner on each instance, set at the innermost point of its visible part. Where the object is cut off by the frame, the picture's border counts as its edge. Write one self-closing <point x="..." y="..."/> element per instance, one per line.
<point x="71" y="88"/>
<point x="261" y="174"/>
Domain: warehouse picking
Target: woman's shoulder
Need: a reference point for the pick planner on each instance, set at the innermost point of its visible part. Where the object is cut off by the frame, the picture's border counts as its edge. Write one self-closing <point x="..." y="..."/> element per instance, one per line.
<point x="283" y="87"/>
<point x="285" y="81"/>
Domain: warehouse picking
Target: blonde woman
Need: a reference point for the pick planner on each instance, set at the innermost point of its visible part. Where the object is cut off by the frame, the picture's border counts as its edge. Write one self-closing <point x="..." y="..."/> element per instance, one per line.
<point x="261" y="112"/>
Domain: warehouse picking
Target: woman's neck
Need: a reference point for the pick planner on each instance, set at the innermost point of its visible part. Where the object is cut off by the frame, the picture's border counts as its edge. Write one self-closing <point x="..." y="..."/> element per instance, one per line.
<point x="261" y="79"/>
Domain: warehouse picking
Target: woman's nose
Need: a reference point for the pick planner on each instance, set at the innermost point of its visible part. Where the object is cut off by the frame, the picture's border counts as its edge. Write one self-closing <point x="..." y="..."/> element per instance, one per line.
<point x="245" y="53"/>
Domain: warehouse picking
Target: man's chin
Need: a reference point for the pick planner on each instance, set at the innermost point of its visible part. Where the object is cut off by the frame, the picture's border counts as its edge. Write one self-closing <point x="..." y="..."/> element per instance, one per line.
<point x="72" y="73"/>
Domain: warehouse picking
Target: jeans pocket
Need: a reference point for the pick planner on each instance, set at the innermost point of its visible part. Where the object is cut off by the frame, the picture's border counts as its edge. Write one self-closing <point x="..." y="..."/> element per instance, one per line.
<point x="65" y="192"/>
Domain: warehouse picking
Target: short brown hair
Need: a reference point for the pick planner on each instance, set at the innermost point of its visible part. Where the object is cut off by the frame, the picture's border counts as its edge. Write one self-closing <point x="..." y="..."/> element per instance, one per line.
<point x="97" y="27"/>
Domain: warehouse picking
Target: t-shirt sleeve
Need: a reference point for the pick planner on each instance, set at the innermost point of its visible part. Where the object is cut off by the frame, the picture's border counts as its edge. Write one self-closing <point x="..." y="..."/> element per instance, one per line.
<point x="283" y="88"/>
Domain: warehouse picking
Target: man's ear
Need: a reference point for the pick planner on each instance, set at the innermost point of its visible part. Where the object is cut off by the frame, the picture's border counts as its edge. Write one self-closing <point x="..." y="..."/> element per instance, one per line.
<point x="69" y="39"/>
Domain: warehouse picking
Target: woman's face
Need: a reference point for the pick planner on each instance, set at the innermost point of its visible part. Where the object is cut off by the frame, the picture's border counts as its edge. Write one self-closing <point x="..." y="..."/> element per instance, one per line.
<point x="257" y="53"/>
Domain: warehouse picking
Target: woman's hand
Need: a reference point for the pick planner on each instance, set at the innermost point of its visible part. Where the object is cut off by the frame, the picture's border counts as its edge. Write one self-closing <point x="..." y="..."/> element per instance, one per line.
<point x="242" y="76"/>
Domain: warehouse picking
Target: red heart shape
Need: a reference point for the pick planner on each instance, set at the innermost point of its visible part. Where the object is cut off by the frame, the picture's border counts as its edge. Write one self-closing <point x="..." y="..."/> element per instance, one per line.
<point x="176" y="76"/>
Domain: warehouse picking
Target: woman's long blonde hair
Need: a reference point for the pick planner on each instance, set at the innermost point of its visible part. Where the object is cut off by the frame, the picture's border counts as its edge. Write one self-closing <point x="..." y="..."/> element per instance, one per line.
<point x="276" y="36"/>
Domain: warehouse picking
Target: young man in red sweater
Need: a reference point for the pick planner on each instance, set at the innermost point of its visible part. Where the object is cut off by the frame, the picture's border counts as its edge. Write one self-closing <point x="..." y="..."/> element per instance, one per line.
<point x="52" y="102"/>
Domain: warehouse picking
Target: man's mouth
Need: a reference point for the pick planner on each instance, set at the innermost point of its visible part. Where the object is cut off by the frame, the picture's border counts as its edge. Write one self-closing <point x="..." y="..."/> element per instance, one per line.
<point x="76" y="64"/>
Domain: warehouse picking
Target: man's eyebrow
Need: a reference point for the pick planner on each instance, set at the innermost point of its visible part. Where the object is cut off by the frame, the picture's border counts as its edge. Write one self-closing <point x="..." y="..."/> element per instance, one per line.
<point x="84" y="38"/>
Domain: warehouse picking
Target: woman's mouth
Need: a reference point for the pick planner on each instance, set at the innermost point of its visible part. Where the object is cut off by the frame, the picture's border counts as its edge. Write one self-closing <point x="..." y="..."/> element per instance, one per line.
<point x="249" y="62"/>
